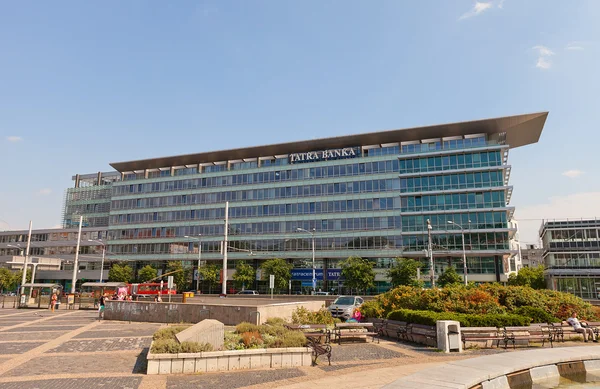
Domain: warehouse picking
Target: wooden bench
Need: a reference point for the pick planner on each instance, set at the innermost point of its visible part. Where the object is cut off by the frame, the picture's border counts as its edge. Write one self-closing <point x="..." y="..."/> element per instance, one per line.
<point x="315" y="334"/>
<point x="539" y="332"/>
<point x="393" y="328"/>
<point x="339" y="334"/>
<point x="481" y="334"/>
<point x="421" y="330"/>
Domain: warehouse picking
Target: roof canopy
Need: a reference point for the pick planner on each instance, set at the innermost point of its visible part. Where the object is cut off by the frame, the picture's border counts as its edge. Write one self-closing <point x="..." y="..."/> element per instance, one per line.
<point x="105" y="284"/>
<point x="520" y="130"/>
<point x="36" y="285"/>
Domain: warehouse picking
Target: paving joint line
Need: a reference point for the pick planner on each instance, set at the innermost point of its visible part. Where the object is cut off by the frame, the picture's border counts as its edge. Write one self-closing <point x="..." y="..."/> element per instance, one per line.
<point x="43" y="319"/>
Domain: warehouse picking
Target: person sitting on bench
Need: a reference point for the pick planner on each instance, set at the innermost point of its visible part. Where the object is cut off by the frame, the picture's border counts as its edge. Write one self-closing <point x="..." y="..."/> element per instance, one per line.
<point x="581" y="327"/>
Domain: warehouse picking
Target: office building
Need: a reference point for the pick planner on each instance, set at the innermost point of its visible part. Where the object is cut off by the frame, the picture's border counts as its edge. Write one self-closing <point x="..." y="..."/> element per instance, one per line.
<point x="367" y="195"/>
<point x="532" y="256"/>
<point x="572" y="256"/>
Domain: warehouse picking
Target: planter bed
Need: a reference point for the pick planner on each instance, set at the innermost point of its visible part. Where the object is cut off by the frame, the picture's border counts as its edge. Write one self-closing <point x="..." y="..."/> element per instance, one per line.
<point x="213" y="361"/>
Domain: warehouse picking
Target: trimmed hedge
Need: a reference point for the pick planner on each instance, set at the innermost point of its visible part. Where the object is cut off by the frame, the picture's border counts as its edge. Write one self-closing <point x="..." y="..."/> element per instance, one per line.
<point x="537" y="315"/>
<point x="466" y="320"/>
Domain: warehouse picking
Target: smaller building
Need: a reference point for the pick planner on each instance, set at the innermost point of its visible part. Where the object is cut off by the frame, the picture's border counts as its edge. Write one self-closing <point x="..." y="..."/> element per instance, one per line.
<point x="572" y="256"/>
<point x="532" y="256"/>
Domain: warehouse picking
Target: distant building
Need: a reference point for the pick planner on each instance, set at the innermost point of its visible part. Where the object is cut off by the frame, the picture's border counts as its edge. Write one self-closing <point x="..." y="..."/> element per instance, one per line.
<point x="532" y="256"/>
<point x="90" y="198"/>
<point x="572" y="256"/>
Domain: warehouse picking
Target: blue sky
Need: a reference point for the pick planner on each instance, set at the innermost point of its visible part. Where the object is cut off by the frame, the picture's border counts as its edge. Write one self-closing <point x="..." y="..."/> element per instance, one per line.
<point x="83" y="84"/>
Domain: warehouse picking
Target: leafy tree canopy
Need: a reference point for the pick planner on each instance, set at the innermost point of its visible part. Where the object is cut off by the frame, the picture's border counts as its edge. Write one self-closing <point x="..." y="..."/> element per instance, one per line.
<point x="405" y="272"/>
<point x="147" y="273"/>
<point x="120" y="273"/>
<point x="358" y="273"/>
<point x="449" y="277"/>
<point x="280" y="268"/>
<point x="244" y="275"/>
<point x="529" y="276"/>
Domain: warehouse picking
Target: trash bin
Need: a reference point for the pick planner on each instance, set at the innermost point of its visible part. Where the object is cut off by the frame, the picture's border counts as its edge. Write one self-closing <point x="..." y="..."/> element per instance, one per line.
<point x="448" y="336"/>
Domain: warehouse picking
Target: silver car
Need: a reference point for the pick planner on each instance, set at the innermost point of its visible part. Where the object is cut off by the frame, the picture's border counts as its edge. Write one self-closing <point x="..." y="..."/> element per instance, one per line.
<point x="343" y="306"/>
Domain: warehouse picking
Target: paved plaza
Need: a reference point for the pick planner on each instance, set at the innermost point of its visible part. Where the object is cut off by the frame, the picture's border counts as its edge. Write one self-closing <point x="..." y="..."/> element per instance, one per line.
<point x="72" y="349"/>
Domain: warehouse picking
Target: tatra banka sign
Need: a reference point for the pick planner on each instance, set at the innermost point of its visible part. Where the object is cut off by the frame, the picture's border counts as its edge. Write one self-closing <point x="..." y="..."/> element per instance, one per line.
<point x="324" y="155"/>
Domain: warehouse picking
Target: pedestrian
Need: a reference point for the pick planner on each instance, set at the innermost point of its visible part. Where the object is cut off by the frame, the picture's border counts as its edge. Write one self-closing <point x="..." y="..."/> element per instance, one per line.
<point x="52" y="301"/>
<point x="582" y="327"/>
<point x="101" y="309"/>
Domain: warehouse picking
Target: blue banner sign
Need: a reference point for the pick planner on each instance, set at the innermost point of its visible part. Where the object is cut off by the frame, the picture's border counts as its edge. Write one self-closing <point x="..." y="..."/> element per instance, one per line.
<point x="307" y="274"/>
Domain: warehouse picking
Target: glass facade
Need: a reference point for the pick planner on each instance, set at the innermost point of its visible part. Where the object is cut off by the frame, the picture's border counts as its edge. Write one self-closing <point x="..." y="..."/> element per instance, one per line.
<point x="572" y="256"/>
<point x="371" y="201"/>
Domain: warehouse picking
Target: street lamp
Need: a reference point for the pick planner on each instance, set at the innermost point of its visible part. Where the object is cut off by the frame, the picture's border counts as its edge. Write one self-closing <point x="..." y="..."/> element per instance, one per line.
<point x="199" y="259"/>
<point x="430" y="252"/>
<point x="314" y="277"/>
<point x="103" y="253"/>
<point x="462" y="233"/>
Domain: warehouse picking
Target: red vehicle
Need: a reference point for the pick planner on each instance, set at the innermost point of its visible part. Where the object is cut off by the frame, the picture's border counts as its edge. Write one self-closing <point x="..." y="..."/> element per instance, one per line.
<point x="149" y="289"/>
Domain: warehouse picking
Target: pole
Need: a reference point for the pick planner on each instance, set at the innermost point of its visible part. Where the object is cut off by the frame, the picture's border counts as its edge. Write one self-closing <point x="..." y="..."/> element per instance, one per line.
<point x="24" y="277"/>
<point x="199" y="261"/>
<point x="225" y="244"/>
<point x="430" y="249"/>
<point x="464" y="255"/>
<point x="102" y="263"/>
<point x="314" y="278"/>
<point x="76" y="264"/>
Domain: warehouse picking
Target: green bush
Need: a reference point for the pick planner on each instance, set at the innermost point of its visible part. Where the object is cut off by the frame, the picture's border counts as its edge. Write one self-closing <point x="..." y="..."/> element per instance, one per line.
<point x="303" y="316"/>
<point x="290" y="339"/>
<point x="246" y="327"/>
<point x="168" y="332"/>
<point x="537" y="315"/>
<point x="165" y="346"/>
<point x="276" y="321"/>
<point x="372" y="309"/>
<point x="195" y="347"/>
<point x="233" y="341"/>
<point x="466" y="320"/>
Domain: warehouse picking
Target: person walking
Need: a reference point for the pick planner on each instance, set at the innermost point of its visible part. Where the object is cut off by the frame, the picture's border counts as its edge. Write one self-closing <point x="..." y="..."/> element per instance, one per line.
<point x="52" y="302"/>
<point x="582" y="328"/>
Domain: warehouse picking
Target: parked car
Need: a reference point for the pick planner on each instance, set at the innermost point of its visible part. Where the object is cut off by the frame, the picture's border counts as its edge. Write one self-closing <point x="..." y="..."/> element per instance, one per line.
<point x="343" y="307"/>
<point x="247" y="292"/>
<point x="321" y="293"/>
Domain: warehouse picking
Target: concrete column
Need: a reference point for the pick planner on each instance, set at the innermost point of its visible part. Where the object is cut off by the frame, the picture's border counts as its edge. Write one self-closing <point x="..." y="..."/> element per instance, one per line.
<point x="76" y="180"/>
<point x="99" y="178"/>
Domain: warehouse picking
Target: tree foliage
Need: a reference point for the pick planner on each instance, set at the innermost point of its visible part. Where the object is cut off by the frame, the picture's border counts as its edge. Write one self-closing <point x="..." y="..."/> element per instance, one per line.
<point x="358" y="273"/>
<point x="449" y="277"/>
<point x="147" y="273"/>
<point x="120" y="272"/>
<point x="529" y="276"/>
<point x="7" y="280"/>
<point x="244" y="275"/>
<point x="405" y="272"/>
<point x="210" y="275"/>
<point x="179" y="273"/>
<point x="280" y="268"/>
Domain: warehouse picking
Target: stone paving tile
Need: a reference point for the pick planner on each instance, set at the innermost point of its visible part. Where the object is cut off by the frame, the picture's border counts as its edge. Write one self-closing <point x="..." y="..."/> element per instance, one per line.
<point x="75" y="364"/>
<point x="325" y="367"/>
<point x="18" y="348"/>
<point x="29" y="335"/>
<point x="44" y="328"/>
<point x="116" y="344"/>
<point x="361" y="352"/>
<point x="230" y="380"/>
<point x="77" y="383"/>
<point x="116" y="334"/>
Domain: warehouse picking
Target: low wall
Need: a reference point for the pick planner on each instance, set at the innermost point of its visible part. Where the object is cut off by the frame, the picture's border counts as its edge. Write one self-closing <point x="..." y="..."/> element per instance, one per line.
<point x="194" y="313"/>
<point x="229" y="360"/>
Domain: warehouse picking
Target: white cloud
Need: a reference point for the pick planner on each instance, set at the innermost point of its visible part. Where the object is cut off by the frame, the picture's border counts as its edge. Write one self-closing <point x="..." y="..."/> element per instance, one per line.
<point x="543" y="62"/>
<point x="478" y="8"/>
<point x="501" y="4"/>
<point x="572" y="173"/>
<point x="45" y="191"/>
<point x="574" y="46"/>
<point x="575" y="206"/>
<point x="14" y="138"/>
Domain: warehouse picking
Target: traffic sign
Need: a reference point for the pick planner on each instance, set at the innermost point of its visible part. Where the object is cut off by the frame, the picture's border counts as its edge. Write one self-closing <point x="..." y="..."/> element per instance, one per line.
<point x="170" y="282"/>
<point x="271" y="281"/>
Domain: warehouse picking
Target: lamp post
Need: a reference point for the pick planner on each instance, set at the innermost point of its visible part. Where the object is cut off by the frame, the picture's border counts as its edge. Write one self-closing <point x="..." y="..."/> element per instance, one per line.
<point x="199" y="259"/>
<point x="314" y="277"/>
<point x="76" y="263"/>
<point x="462" y="233"/>
<point x="430" y="252"/>
<point x="103" y="253"/>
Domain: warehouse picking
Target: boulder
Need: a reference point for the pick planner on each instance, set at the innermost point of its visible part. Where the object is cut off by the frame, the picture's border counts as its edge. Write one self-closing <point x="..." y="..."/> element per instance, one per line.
<point x="207" y="331"/>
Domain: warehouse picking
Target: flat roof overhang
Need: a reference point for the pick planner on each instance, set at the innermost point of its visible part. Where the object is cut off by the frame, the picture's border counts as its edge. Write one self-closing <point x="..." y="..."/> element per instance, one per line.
<point x="520" y="130"/>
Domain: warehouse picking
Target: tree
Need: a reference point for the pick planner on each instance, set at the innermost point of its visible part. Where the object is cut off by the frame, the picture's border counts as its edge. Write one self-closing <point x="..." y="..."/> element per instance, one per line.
<point x="18" y="277"/>
<point x="6" y="279"/>
<point x="244" y="275"/>
<point x="405" y="272"/>
<point x="210" y="275"/>
<point x="358" y="273"/>
<point x="179" y="273"/>
<point x="449" y="277"/>
<point x="120" y="272"/>
<point x="529" y="276"/>
<point x="280" y="268"/>
<point x="147" y="273"/>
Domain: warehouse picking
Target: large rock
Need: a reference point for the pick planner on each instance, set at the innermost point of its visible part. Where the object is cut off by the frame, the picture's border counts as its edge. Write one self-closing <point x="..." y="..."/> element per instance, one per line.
<point x="207" y="331"/>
